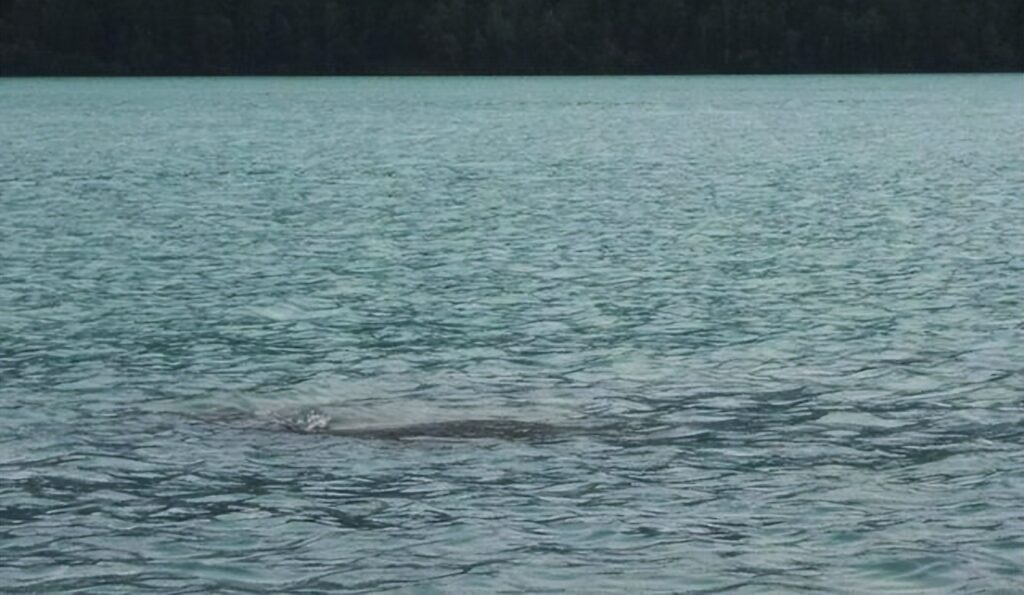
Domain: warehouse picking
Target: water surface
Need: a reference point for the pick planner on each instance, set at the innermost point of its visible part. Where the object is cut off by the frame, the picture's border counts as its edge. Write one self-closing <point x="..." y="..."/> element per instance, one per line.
<point x="780" y="318"/>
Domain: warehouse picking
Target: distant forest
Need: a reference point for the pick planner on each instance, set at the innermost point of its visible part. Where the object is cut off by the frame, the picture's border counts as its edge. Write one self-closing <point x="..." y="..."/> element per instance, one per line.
<point x="176" y="37"/>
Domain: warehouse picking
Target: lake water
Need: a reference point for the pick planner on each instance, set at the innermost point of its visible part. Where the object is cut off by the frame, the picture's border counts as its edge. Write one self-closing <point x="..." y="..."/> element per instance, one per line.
<point x="776" y="326"/>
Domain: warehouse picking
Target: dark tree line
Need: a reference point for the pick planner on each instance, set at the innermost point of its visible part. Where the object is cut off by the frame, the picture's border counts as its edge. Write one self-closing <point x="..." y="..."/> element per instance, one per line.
<point x="85" y="37"/>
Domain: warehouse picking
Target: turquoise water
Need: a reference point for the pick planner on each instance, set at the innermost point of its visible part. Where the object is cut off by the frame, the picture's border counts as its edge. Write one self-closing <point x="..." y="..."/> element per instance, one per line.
<point x="775" y="327"/>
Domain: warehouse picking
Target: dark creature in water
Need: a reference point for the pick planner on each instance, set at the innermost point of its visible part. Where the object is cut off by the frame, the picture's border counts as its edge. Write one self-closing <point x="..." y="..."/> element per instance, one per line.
<point x="321" y="424"/>
<point x="494" y="429"/>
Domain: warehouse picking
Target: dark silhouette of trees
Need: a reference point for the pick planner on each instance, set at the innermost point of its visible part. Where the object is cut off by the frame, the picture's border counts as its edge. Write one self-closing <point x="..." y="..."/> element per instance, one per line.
<point x="508" y="36"/>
